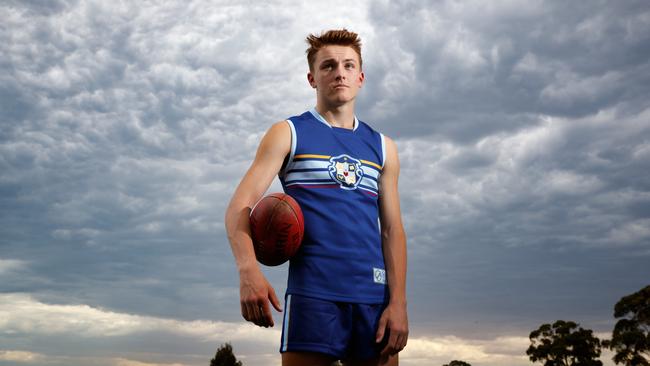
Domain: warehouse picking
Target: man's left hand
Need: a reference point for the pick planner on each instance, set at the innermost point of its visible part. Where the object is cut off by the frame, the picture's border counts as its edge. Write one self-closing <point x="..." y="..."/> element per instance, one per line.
<point x="394" y="321"/>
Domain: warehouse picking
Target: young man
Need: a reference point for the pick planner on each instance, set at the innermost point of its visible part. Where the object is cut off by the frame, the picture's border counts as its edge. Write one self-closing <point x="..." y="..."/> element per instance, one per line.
<point x="346" y="296"/>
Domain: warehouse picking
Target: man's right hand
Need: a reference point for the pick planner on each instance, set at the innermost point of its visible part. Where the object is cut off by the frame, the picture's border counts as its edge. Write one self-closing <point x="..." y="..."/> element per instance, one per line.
<point x="255" y="292"/>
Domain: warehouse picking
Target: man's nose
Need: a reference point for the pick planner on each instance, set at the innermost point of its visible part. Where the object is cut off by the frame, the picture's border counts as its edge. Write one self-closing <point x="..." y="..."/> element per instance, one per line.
<point x="339" y="73"/>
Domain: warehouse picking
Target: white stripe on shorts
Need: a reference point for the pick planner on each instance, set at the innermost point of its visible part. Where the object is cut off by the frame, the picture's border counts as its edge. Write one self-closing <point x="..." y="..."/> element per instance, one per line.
<point x="285" y="326"/>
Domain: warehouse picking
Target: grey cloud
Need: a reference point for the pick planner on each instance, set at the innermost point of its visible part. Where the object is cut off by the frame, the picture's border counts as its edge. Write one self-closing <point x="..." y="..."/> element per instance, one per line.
<point x="39" y="7"/>
<point x="475" y="69"/>
<point x="557" y="209"/>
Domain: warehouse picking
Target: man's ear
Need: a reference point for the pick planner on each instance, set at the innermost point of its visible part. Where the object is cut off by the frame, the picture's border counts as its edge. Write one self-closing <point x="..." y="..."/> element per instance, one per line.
<point x="311" y="80"/>
<point x="362" y="78"/>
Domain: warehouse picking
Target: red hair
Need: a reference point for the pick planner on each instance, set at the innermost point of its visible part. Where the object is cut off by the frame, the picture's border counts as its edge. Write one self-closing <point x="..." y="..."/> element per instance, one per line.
<point x="337" y="37"/>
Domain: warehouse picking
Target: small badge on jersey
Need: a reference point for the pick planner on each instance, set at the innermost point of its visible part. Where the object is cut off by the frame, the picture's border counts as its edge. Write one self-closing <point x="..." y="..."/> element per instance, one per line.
<point x="346" y="171"/>
<point x="379" y="275"/>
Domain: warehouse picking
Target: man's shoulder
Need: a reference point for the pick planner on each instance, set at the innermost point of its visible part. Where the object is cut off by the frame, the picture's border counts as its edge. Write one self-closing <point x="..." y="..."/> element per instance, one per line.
<point x="300" y="117"/>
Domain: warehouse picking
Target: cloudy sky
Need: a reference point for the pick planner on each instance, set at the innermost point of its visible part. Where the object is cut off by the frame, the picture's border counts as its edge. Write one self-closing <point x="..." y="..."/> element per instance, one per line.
<point x="523" y="130"/>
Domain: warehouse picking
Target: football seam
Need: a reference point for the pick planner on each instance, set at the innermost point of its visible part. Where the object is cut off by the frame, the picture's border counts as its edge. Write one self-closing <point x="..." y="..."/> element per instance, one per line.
<point x="295" y="214"/>
<point x="270" y="220"/>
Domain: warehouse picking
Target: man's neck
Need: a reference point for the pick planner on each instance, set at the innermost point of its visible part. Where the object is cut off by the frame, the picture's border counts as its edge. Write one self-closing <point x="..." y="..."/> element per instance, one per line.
<point x="342" y="116"/>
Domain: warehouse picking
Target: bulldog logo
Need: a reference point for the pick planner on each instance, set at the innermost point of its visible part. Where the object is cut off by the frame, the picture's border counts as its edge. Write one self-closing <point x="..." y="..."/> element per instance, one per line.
<point x="346" y="171"/>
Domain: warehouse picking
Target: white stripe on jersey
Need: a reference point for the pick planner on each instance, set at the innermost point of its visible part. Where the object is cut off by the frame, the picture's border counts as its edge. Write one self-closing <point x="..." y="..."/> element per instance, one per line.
<point x="319" y="174"/>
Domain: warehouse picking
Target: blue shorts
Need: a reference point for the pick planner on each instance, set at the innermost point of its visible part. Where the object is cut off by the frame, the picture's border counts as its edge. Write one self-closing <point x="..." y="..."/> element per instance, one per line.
<point x="345" y="331"/>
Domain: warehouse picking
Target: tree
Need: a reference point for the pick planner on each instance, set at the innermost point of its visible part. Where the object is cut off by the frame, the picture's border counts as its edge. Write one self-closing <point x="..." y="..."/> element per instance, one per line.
<point x="457" y="363"/>
<point x="631" y="336"/>
<point x="225" y="357"/>
<point x="564" y="344"/>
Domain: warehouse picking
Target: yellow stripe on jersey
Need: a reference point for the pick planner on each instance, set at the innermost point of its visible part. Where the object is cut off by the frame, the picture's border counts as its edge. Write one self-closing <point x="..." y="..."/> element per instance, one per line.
<point x="371" y="164"/>
<point x="311" y="156"/>
<point x="315" y="156"/>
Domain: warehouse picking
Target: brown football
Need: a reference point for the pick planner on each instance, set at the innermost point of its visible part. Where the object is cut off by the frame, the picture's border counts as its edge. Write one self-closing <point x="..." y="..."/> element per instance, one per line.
<point x="277" y="226"/>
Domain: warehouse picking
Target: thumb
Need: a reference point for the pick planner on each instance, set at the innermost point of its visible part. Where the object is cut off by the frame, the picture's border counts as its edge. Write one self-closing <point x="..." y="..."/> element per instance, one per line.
<point x="381" y="330"/>
<point x="274" y="299"/>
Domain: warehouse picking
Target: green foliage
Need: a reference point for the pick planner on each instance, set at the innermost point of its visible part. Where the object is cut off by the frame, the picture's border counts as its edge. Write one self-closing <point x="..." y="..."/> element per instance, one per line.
<point x="564" y="344"/>
<point x="631" y="335"/>
<point x="225" y="357"/>
<point x="457" y="363"/>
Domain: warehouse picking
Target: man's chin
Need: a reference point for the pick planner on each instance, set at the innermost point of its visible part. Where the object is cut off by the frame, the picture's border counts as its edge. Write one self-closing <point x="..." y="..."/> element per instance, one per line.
<point x="341" y="99"/>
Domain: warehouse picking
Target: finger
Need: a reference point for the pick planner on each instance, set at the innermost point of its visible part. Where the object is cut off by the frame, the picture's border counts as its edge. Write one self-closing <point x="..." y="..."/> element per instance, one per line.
<point x="399" y="346"/>
<point x="391" y="346"/>
<point x="244" y="311"/>
<point x="274" y="300"/>
<point x="261" y="316"/>
<point x="254" y="313"/>
<point x="249" y="312"/>
<point x="386" y="351"/>
<point x="266" y="314"/>
<point x="405" y="340"/>
<point x="381" y="329"/>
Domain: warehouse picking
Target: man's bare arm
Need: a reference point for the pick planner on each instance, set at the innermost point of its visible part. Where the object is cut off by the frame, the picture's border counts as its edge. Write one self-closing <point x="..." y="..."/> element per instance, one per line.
<point x="254" y="289"/>
<point x="395" y="316"/>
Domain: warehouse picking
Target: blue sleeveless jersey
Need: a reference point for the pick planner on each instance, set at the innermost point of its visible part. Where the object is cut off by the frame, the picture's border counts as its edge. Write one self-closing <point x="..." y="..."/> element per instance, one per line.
<point x="333" y="173"/>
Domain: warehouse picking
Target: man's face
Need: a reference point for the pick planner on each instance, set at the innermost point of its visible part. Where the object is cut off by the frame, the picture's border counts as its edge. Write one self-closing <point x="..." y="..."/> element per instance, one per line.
<point x="337" y="75"/>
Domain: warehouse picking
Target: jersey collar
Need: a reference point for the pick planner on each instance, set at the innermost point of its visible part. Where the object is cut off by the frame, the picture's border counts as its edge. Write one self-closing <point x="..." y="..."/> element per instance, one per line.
<point x="318" y="116"/>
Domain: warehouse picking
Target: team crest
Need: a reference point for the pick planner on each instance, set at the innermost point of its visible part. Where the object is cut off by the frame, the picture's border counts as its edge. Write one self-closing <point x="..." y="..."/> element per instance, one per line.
<point x="346" y="171"/>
